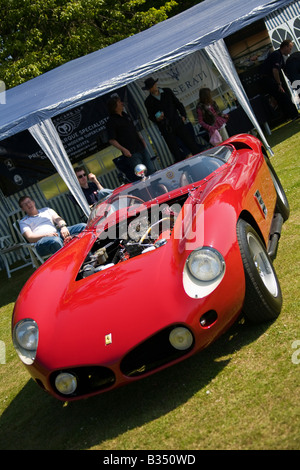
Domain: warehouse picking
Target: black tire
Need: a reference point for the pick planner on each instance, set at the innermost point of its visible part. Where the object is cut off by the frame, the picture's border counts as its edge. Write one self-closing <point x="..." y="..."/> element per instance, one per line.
<point x="263" y="298"/>
<point x="282" y="203"/>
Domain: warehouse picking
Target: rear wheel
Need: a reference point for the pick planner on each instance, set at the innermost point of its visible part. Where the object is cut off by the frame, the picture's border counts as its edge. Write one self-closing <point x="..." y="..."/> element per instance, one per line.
<point x="263" y="298"/>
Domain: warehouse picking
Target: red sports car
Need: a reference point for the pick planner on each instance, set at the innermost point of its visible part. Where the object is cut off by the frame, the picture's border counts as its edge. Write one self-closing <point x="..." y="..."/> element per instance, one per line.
<point x="164" y="267"/>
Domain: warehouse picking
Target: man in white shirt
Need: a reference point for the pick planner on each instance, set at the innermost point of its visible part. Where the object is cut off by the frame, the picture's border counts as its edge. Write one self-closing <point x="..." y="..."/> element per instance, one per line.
<point x="45" y="227"/>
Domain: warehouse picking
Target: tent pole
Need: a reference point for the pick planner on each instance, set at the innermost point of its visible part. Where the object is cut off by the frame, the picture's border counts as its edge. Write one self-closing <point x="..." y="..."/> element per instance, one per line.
<point x="48" y="139"/>
<point x="219" y="54"/>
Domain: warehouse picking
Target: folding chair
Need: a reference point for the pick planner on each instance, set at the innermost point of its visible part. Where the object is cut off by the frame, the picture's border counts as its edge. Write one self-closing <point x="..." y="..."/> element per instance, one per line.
<point x="7" y="248"/>
<point x="13" y="220"/>
<point x="41" y="259"/>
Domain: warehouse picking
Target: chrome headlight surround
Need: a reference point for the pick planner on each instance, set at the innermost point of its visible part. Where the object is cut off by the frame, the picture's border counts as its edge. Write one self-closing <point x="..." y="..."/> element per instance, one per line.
<point x="205" y="264"/>
<point x="25" y="339"/>
<point x="203" y="271"/>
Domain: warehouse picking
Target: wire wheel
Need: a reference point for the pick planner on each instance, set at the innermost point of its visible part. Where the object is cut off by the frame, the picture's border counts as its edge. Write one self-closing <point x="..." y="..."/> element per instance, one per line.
<point x="263" y="298"/>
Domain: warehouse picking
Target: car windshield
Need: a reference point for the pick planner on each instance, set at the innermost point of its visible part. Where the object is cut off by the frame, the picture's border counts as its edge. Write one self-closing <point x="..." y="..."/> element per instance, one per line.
<point x="181" y="174"/>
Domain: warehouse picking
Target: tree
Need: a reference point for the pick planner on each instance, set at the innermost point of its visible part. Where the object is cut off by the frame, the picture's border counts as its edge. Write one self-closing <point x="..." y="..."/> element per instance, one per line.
<point x="39" y="35"/>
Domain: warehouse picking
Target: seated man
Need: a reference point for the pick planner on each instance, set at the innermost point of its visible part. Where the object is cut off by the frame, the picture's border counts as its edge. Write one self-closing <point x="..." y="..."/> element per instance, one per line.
<point x="90" y="186"/>
<point x="45" y="227"/>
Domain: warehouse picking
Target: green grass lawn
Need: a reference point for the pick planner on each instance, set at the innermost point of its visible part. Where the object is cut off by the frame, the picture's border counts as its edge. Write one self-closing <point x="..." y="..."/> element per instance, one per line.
<point x="240" y="393"/>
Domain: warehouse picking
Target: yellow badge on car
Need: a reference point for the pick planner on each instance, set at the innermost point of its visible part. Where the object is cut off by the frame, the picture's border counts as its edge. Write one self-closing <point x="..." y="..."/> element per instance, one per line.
<point x="108" y="339"/>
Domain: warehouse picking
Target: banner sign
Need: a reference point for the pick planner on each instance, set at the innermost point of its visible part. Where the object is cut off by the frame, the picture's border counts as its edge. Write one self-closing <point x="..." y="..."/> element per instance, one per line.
<point x="186" y="77"/>
<point x="22" y="163"/>
<point x="82" y="131"/>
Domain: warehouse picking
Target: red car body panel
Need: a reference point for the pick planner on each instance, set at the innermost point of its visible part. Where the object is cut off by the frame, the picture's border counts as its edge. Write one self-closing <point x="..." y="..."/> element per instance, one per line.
<point x="135" y="299"/>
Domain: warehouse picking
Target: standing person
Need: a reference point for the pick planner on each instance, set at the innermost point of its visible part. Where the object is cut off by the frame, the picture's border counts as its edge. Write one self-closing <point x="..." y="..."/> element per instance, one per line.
<point x="169" y="114"/>
<point x="210" y="117"/>
<point x="292" y="67"/>
<point x="45" y="227"/>
<point x="90" y="186"/>
<point x="271" y="79"/>
<point x="123" y="135"/>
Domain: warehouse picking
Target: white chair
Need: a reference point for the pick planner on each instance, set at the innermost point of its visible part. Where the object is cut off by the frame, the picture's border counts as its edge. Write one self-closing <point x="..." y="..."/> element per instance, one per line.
<point x="38" y="257"/>
<point x="7" y="247"/>
<point x="13" y="221"/>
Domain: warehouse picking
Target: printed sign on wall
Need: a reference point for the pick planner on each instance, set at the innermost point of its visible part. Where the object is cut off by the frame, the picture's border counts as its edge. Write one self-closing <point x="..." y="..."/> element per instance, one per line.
<point x="186" y="77"/>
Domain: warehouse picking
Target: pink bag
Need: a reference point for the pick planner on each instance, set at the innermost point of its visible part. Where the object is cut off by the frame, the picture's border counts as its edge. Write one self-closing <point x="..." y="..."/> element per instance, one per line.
<point x="215" y="138"/>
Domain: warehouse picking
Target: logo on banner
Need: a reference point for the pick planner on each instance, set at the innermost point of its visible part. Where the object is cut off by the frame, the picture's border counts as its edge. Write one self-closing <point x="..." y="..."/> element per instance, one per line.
<point x="174" y="73"/>
<point x="18" y="180"/>
<point x="66" y="125"/>
<point x="9" y="164"/>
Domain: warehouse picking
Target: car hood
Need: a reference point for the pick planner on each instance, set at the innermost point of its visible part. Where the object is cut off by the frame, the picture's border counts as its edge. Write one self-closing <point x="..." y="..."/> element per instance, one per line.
<point x="127" y="302"/>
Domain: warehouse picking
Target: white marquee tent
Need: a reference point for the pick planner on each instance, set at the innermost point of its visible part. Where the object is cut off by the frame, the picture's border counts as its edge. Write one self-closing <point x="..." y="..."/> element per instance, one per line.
<point x="32" y="104"/>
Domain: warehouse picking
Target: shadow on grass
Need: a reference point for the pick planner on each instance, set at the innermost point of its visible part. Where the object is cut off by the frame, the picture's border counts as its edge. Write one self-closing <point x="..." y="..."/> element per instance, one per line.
<point x="10" y="288"/>
<point x="35" y="420"/>
<point x="283" y="132"/>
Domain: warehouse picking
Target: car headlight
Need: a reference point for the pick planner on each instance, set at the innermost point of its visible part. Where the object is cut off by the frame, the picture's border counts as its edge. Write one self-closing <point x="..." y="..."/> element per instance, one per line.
<point x="205" y="264"/>
<point x="66" y="383"/>
<point x="204" y="269"/>
<point x="25" y="339"/>
<point x="181" y="338"/>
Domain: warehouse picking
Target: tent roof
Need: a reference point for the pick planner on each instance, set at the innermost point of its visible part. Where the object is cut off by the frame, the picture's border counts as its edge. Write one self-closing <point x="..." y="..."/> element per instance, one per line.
<point x="105" y="70"/>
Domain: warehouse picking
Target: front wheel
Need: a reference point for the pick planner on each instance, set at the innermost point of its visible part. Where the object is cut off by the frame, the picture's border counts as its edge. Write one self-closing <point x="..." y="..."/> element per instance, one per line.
<point x="263" y="298"/>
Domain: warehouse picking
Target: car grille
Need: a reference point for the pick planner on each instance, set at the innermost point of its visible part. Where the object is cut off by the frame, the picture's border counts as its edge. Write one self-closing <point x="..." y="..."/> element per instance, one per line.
<point x="90" y="379"/>
<point x="151" y="354"/>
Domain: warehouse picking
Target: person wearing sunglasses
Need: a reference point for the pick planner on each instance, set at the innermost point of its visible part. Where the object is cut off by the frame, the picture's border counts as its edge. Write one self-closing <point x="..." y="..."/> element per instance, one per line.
<point x="90" y="186"/>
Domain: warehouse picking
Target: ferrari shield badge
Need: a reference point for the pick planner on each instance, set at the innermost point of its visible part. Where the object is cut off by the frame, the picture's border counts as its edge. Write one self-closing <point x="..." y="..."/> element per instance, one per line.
<point x="108" y="339"/>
